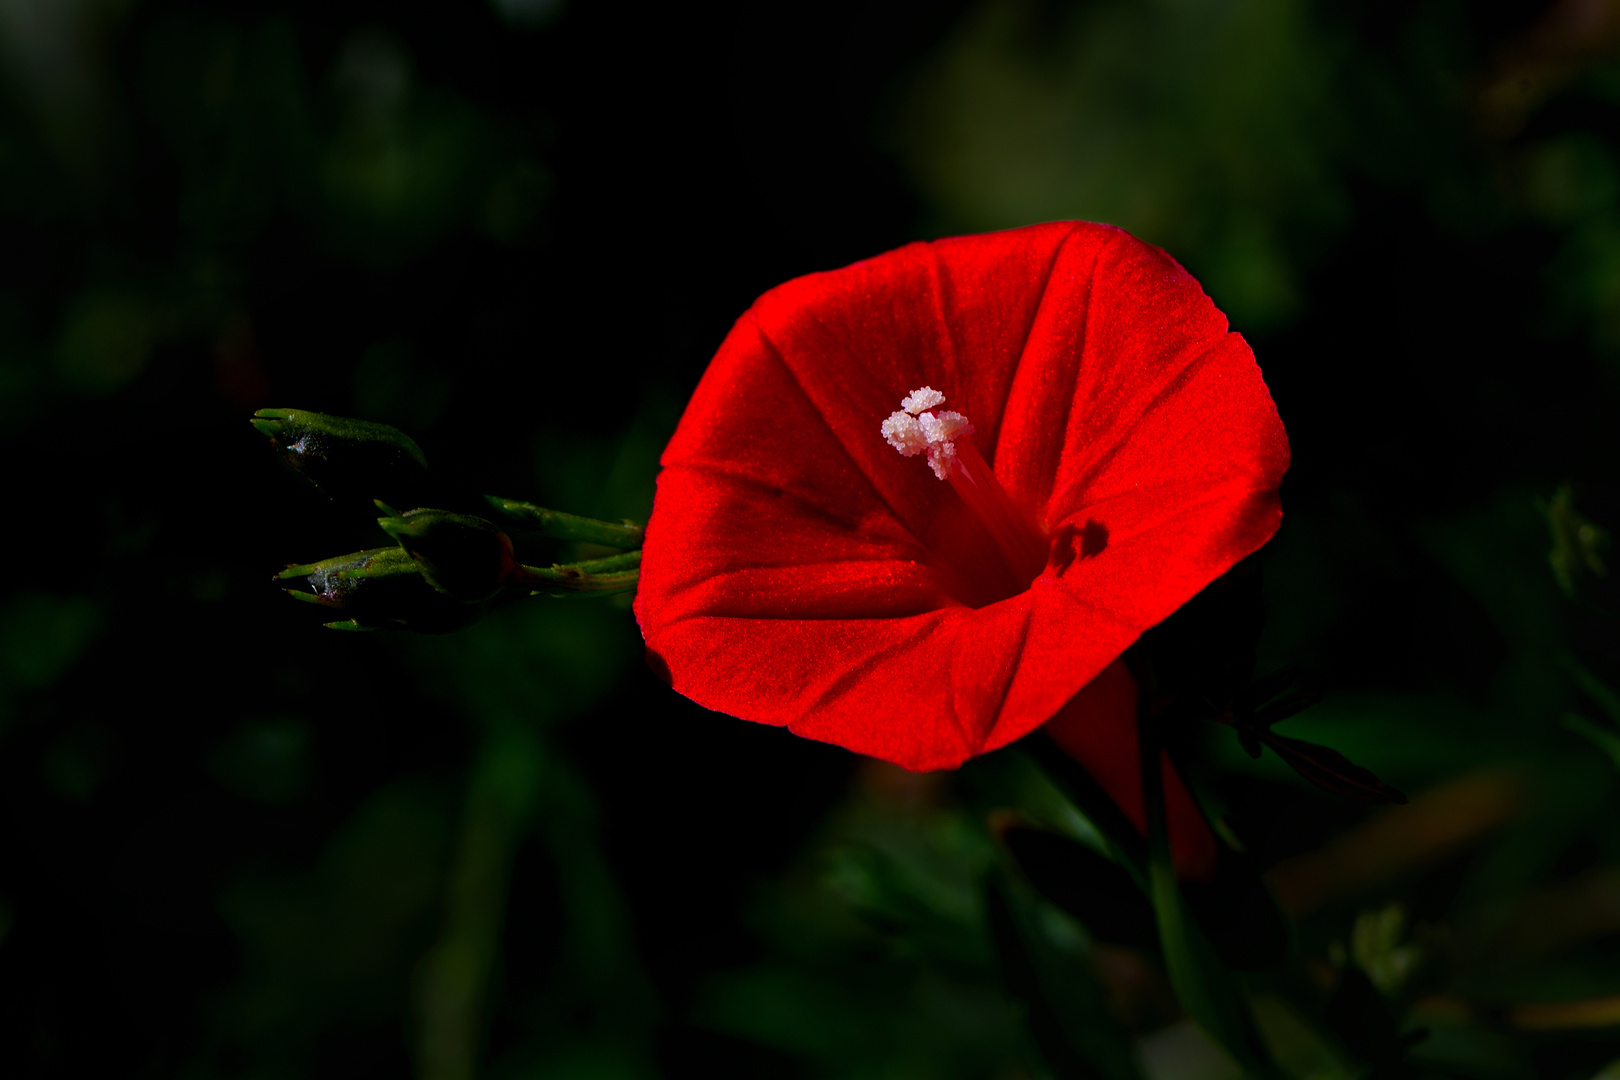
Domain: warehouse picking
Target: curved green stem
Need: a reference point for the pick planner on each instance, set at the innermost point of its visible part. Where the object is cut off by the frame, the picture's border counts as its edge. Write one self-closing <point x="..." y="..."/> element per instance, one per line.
<point x="560" y="526"/>
<point x="616" y="573"/>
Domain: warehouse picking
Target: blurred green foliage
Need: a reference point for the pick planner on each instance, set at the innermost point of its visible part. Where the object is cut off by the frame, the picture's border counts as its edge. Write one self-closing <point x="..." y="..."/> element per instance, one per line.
<point x="236" y="845"/>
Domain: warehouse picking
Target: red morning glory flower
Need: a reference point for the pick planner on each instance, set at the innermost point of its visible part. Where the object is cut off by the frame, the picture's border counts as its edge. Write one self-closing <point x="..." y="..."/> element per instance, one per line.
<point x="919" y="506"/>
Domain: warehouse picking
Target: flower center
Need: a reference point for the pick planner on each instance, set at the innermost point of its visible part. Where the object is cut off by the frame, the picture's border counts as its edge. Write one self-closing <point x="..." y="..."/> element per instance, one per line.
<point x="944" y="436"/>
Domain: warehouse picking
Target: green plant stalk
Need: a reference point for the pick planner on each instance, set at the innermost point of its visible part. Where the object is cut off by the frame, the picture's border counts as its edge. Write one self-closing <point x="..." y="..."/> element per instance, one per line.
<point x="1202" y="983"/>
<point x="560" y="526"/>
<point x="616" y="573"/>
<point x="454" y="983"/>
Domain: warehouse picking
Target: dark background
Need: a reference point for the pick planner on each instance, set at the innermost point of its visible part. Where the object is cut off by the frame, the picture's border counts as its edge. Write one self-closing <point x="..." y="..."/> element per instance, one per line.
<point x="235" y="844"/>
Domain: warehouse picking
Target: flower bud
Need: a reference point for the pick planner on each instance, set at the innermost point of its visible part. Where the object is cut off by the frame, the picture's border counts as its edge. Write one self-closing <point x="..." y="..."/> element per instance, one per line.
<point x="381" y="588"/>
<point x="341" y="455"/>
<point x="462" y="556"/>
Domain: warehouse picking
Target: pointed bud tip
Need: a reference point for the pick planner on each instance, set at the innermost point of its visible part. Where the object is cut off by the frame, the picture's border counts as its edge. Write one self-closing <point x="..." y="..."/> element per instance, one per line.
<point x="343" y="454"/>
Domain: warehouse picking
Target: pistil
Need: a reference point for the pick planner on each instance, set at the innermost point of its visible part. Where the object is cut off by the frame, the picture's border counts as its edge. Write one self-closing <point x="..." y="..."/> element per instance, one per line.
<point x="920" y="427"/>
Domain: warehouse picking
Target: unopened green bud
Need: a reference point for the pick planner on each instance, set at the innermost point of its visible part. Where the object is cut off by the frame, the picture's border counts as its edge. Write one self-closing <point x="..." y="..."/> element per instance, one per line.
<point x="381" y="588"/>
<point x="343" y="456"/>
<point x="464" y="557"/>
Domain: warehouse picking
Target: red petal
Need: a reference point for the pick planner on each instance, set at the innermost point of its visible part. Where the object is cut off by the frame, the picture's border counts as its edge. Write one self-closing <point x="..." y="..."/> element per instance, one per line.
<point x="798" y="571"/>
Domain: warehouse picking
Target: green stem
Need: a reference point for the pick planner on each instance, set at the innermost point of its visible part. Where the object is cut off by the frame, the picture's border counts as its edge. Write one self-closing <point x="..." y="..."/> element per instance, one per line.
<point x="560" y="526"/>
<point x="616" y="573"/>
<point x="1202" y="982"/>
<point x="455" y="984"/>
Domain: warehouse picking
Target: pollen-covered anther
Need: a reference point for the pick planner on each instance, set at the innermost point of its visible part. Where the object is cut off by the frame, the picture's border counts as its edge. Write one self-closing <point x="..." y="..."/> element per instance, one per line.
<point x="913" y="430"/>
<point x="905" y="434"/>
<point x="925" y="397"/>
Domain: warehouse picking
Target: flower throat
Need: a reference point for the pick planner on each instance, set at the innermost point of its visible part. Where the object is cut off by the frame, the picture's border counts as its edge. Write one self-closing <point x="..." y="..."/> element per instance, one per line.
<point x="944" y="436"/>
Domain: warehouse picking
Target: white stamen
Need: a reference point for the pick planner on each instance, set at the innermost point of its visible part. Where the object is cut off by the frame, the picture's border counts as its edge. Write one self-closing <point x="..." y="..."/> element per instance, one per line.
<point x="905" y="434"/>
<point x="922" y="398"/>
<point x="941" y="456"/>
<point x="936" y="433"/>
<point x="943" y="427"/>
